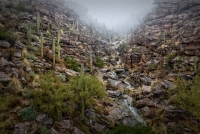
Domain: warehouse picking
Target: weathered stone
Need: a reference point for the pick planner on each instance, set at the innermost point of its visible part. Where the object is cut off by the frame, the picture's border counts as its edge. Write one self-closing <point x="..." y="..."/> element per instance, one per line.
<point x="4" y="44"/>
<point x="40" y="117"/>
<point x="114" y="93"/>
<point x="144" y="102"/>
<point x="145" y="111"/>
<point x="20" y="129"/>
<point x="146" y="89"/>
<point x="5" y="77"/>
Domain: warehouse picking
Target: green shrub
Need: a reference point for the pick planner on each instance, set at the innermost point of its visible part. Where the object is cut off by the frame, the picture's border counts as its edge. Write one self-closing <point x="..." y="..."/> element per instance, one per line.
<point x="28" y="113"/>
<point x="187" y="95"/>
<point x="10" y="37"/>
<point x="31" y="56"/>
<point x="137" y="129"/>
<point x="169" y="59"/>
<point x="71" y="63"/>
<point x="86" y="88"/>
<point x="99" y="62"/>
<point x="27" y="93"/>
<point x="47" y="33"/>
<point x="52" y="96"/>
<point x="4" y="103"/>
<point x="43" y="130"/>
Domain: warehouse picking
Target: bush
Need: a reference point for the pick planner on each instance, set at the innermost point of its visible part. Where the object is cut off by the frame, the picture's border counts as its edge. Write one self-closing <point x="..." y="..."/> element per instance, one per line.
<point x="43" y="130"/>
<point x="28" y="113"/>
<point x="169" y="59"/>
<point x="86" y="88"/>
<point x="137" y="129"/>
<point x="99" y="62"/>
<point x="10" y="37"/>
<point x="187" y="95"/>
<point x="15" y="84"/>
<point x="31" y="56"/>
<point x="21" y="6"/>
<point x="4" y="103"/>
<point x="52" y="97"/>
<point x="71" y="63"/>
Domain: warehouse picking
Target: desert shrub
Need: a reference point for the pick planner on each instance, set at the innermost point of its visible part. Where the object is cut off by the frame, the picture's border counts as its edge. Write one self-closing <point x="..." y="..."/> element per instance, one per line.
<point x="27" y="93"/>
<point x="47" y="33"/>
<point x="14" y="84"/>
<point x="187" y="95"/>
<point x="4" y="103"/>
<point x="52" y="96"/>
<point x="169" y="58"/>
<point x="43" y="130"/>
<point x="99" y="62"/>
<point x="137" y="129"/>
<point x="28" y="113"/>
<point x="9" y="5"/>
<point x="31" y="56"/>
<point x="10" y="37"/>
<point x="21" y="6"/>
<point x="71" y="63"/>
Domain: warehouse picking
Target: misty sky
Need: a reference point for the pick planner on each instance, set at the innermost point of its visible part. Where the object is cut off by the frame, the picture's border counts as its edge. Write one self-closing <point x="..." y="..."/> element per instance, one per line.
<point x="118" y="13"/>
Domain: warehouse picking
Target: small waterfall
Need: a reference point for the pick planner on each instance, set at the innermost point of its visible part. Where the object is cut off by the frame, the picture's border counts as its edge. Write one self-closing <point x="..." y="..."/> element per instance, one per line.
<point x="133" y="111"/>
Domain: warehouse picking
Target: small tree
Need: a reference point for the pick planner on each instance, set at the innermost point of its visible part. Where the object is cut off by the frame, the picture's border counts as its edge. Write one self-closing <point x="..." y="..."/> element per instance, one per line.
<point x="86" y="87"/>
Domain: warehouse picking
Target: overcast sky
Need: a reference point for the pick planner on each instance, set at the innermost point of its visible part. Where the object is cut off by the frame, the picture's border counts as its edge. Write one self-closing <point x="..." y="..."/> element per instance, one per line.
<point x="118" y="13"/>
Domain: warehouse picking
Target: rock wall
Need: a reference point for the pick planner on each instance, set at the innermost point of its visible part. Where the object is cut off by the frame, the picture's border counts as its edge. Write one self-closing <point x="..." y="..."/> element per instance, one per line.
<point x="172" y="25"/>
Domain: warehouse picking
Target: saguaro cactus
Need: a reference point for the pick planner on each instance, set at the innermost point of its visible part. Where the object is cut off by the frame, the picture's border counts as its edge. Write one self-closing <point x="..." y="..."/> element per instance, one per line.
<point x="90" y="59"/>
<point x="29" y="34"/>
<point x="58" y="43"/>
<point x="38" y="22"/>
<point x="41" y="45"/>
<point x="53" y="51"/>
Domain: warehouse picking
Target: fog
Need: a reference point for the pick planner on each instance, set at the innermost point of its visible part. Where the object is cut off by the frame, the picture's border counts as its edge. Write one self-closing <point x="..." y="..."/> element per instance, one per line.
<point x="119" y="15"/>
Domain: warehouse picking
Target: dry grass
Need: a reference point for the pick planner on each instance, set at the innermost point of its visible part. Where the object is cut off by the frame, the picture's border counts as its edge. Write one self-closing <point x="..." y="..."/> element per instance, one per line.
<point x="24" y="53"/>
<point x="26" y="63"/>
<point x="15" y="84"/>
<point x="36" y="78"/>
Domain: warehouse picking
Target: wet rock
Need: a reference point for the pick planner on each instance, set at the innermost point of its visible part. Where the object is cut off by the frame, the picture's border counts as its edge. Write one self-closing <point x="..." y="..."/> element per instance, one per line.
<point x="40" y="117"/>
<point x="48" y="121"/>
<point x="146" y="89"/>
<point x="144" y="102"/>
<point x="145" y="111"/>
<point x="64" y="126"/>
<point x="77" y="131"/>
<point x="114" y="93"/>
<point x="100" y="128"/>
<point x="4" y="44"/>
<point x="20" y="129"/>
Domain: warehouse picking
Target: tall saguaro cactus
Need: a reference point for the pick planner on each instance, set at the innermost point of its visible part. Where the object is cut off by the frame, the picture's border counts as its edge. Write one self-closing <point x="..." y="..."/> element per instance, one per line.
<point x="58" y="43"/>
<point x="38" y="22"/>
<point x="41" y="45"/>
<point x="90" y="59"/>
<point x="29" y="34"/>
<point x="53" y="51"/>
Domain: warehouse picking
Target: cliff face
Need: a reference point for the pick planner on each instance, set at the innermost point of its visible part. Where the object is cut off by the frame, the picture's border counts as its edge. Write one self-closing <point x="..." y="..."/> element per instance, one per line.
<point x="172" y="25"/>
